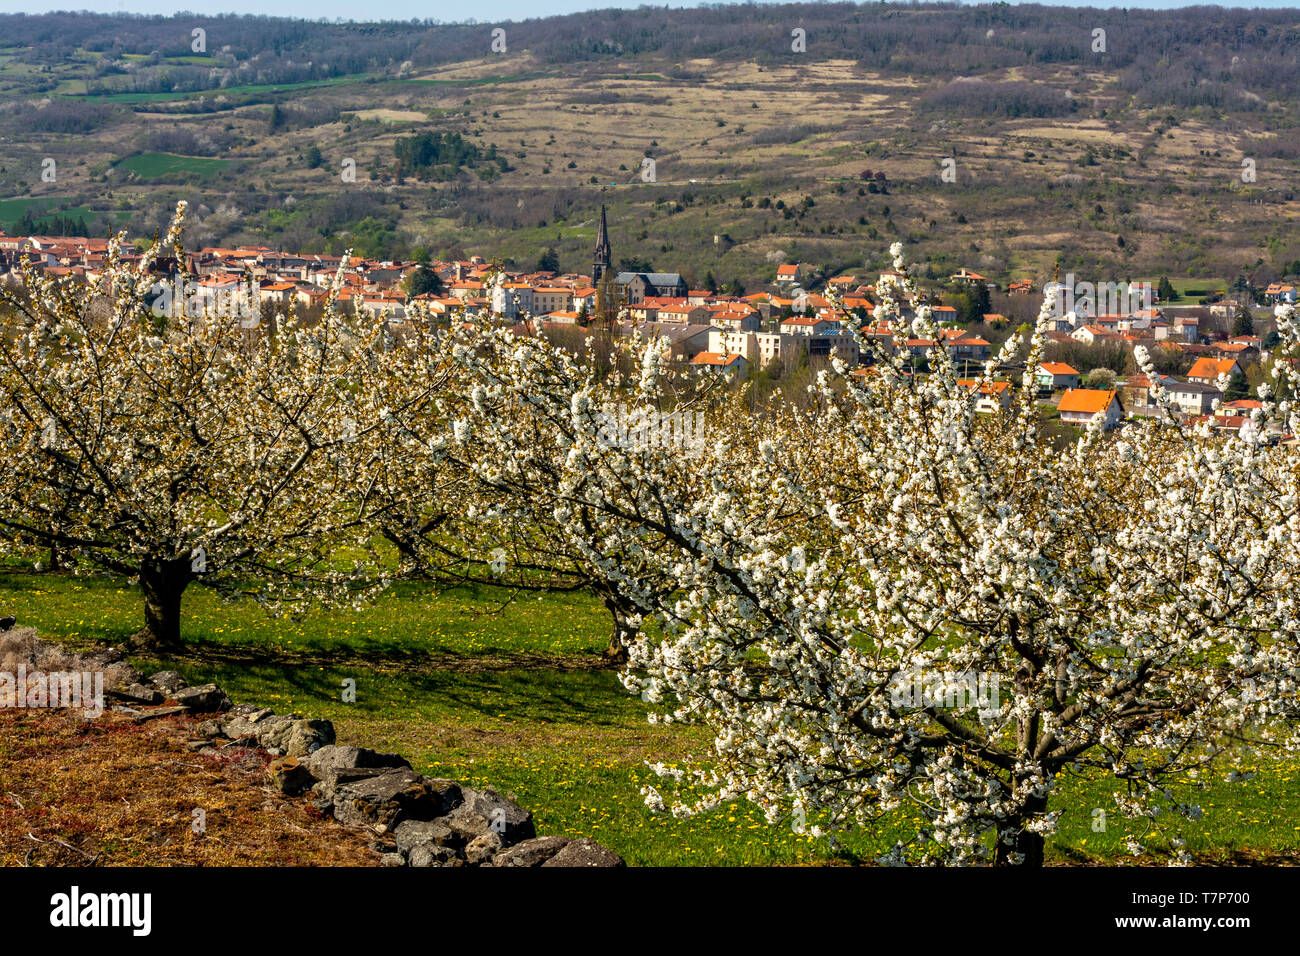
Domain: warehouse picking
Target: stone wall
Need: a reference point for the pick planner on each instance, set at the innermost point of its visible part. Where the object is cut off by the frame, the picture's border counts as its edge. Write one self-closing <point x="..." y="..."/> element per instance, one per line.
<point x="416" y="820"/>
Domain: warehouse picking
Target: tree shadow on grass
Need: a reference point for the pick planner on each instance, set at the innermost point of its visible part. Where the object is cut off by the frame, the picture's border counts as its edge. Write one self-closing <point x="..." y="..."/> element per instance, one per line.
<point x="536" y="695"/>
<point x="202" y="649"/>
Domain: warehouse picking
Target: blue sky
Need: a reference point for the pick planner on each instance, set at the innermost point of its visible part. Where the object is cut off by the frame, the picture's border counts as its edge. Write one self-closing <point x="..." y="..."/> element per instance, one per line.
<point x="483" y="11"/>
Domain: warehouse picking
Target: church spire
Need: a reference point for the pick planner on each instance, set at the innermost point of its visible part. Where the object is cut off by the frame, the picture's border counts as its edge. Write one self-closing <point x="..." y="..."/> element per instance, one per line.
<point x="601" y="264"/>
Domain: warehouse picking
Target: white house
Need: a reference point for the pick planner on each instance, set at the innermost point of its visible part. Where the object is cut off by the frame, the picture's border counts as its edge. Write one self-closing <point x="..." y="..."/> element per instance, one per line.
<point x="1080" y="405"/>
<point x="718" y="364"/>
<point x="1054" y="376"/>
<point x="1192" y="398"/>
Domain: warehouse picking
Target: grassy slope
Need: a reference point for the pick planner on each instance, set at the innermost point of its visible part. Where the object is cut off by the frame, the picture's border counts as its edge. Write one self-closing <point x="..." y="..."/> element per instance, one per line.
<point x="787" y="131"/>
<point x="516" y="699"/>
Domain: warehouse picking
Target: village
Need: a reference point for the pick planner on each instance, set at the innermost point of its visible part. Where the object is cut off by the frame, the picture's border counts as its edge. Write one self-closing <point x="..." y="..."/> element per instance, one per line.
<point x="733" y="335"/>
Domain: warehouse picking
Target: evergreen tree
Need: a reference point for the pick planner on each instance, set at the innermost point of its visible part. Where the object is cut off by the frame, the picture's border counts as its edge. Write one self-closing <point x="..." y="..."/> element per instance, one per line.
<point x="549" y="262"/>
<point x="1242" y="322"/>
<point x="975" y="302"/>
<point x="423" y="280"/>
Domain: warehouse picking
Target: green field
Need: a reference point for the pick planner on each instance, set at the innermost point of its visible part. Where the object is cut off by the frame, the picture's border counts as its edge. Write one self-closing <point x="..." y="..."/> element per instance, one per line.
<point x="153" y="165"/>
<point x="12" y="210"/>
<point x="1193" y="291"/>
<point x="517" y="698"/>
<point x="226" y="91"/>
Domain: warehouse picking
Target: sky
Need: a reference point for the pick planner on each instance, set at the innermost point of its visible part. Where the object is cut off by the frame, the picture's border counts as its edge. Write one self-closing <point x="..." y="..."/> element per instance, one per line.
<point x="484" y="11"/>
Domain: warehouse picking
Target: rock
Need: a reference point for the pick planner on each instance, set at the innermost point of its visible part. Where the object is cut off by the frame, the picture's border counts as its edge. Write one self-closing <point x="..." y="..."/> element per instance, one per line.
<point x="211" y="729"/>
<point x="289" y="776"/>
<point x="427" y="854"/>
<point x="471" y="825"/>
<point x="118" y="677"/>
<point x="486" y="811"/>
<point x="389" y="797"/>
<point x="585" y="852"/>
<point x="391" y="859"/>
<point x="331" y="778"/>
<point x="413" y="833"/>
<point x="306" y="736"/>
<point x="286" y="734"/>
<point x="482" y="848"/>
<point x="169" y="682"/>
<point x="157" y="712"/>
<point x="447" y="794"/>
<point x="207" y="699"/>
<point x="532" y="852"/>
<point x="248" y="710"/>
<point x="137" y="694"/>
<point x="102" y="657"/>
<point x="257" y="723"/>
<point x="333" y="757"/>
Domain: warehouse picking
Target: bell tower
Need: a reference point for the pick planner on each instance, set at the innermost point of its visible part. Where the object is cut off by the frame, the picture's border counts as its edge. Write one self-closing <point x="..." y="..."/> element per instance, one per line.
<point x="600" y="265"/>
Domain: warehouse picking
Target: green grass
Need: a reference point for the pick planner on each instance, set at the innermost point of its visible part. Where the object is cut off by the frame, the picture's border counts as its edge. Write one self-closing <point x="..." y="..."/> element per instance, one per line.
<point x="516" y="698"/>
<point x="154" y="165"/>
<point x="1193" y="291"/>
<point x="227" y="91"/>
<point x="12" y="210"/>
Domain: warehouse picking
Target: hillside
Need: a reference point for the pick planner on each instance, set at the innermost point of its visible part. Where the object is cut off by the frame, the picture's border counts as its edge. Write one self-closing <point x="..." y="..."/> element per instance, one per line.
<point x="1127" y="162"/>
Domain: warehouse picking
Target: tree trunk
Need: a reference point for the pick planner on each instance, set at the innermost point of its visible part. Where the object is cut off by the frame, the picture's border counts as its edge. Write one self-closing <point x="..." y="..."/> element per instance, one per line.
<point x="163" y="584"/>
<point x="1014" y="838"/>
<point x="623" y="634"/>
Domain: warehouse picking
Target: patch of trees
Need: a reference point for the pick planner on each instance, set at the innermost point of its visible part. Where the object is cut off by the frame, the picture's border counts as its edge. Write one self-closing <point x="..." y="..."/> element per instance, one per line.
<point x="549" y="261"/>
<point x="209" y="141"/>
<point x="635" y="264"/>
<point x="55" y="225"/>
<point x="69" y="117"/>
<point x="1116" y="356"/>
<point x="1230" y="59"/>
<point x="359" y="219"/>
<point x="783" y="135"/>
<point x="1188" y="85"/>
<point x="424" y="281"/>
<point x="442" y="155"/>
<point x="373" y="237"/>
<point x="1011" y="99"/>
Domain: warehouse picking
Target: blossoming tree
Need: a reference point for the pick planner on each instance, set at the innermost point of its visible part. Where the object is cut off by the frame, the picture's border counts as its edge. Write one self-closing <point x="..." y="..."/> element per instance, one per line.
<point x="891" y="602"/>
<point x="182" y="450"/>
<point x="508" y="442"/>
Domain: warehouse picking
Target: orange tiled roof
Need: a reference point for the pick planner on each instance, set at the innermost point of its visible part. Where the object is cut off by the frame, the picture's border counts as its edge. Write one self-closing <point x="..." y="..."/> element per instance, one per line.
<point x="715" y="358"/>
<point x="1088" y="401"/>
<point x="1211" y="368"/>
<point x="988" y="388"/>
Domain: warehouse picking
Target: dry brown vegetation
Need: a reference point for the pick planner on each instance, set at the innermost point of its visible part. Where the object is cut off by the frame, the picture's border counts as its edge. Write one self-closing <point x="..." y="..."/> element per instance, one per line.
<point x="112" y="792"/>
